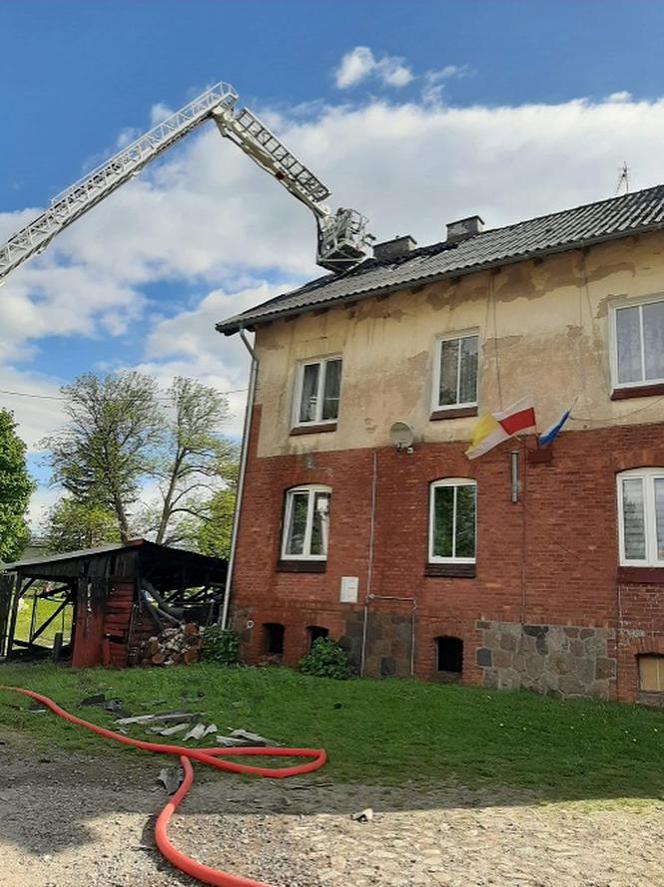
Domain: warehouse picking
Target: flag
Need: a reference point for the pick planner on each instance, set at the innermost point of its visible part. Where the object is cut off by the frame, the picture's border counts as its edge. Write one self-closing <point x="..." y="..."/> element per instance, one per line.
<point x="493" y="428"/>
<point x="551" y="433"/>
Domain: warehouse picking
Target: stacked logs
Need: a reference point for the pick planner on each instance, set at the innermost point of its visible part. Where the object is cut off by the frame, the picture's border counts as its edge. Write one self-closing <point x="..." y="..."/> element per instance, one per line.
<point x="179" y="644"/>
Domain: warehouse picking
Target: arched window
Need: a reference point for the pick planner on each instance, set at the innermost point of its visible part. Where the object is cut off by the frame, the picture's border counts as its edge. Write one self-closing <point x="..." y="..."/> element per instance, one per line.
<point x="273" y="638"/>
<point x="316" y="631"/>
<point x="306" y="523"/>
<point x="449" y="655"/>
<point x="452" y="521"/>
<point x="641" y="517"/>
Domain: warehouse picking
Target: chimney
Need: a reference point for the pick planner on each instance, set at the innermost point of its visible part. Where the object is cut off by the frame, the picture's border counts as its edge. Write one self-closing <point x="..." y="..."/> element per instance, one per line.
<point x="395" y="248"/>
<point x="464" y="228"/>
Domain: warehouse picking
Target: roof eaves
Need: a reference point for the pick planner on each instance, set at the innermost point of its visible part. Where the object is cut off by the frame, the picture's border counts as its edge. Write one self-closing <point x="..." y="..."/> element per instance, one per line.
<point x="229" y="328"/>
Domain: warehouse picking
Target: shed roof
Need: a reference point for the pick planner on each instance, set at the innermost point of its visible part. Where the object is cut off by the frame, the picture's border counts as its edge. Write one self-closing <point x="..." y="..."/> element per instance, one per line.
<point x="163" y="562"/>
<point x="634" y="213"/>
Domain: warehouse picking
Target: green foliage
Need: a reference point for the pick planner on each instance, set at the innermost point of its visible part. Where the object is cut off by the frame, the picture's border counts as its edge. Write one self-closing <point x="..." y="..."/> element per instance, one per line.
<point x="71" y="525"/>
<point x="120" y="435"/>
<point x="220" y="646"/>
<point x="326" y="659"/>
<point x="15" y="490"/>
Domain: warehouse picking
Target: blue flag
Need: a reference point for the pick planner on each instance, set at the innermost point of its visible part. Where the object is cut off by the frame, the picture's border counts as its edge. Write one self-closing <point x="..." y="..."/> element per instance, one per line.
<point x="552" y="432"/>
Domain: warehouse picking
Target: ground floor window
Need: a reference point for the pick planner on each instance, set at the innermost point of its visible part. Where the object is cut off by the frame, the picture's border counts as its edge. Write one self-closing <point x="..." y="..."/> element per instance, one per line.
<point x="317" y="631"/>
<point x="273" y="637"/>
<point x="641" y="517"/>
<point x="306" y="523"/>
<point x="452" y="521"/>
<point x="651" y="674"/>
<point x="449" y="654"/>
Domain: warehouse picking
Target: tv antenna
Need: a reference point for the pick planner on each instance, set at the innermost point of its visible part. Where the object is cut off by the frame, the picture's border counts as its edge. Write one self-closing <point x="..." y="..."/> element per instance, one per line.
<point x="623" y="178"/>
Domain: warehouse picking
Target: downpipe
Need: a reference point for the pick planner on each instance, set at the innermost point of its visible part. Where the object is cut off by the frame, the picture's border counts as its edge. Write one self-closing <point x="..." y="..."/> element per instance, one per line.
<point x="246" y="432"/>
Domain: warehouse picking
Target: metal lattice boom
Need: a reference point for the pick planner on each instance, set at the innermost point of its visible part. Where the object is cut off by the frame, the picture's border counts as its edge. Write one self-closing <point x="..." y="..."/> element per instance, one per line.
<point x="342" y="240"/>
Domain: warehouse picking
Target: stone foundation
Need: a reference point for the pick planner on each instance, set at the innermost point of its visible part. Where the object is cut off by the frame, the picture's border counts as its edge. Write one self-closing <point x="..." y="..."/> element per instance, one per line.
<point x="568" y="661"/>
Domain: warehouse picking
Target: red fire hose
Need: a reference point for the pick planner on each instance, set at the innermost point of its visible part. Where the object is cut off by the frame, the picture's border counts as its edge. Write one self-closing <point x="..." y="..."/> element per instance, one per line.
<point x="209" y="756"/>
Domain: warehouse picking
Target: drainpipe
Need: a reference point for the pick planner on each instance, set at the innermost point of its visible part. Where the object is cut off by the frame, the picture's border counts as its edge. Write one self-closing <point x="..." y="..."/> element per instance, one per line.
<point x="253" y="374"/>
<point x="368" y="596"/>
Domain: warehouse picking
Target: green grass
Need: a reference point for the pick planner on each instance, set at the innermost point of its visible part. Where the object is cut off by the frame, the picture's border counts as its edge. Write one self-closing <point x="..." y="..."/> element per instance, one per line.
<point x="385" y="732"/>
<point x="44" y="610"/>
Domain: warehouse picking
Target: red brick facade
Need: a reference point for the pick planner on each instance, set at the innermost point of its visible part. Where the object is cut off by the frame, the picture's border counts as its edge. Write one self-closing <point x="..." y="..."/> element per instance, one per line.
<point x="549" y="560"/>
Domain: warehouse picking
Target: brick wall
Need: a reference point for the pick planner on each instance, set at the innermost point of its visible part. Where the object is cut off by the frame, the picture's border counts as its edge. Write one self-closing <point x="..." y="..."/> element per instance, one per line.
<point x="550" y="559"/>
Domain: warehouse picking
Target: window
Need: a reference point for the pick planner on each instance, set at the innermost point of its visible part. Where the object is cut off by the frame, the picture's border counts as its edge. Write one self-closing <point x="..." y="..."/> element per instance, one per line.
<point x="306" y="523"/>
<point x="641" y="517"/>
<point x="455" y="372"/>
<point x="651" y="674"/>
<point x="639" y="344"/>
<point x="452" y="521"/>
<point x="449" y="655"/>
<point x="273" y="635"/>
<point x="317" y="391"/>
<point x="315" y="632"/>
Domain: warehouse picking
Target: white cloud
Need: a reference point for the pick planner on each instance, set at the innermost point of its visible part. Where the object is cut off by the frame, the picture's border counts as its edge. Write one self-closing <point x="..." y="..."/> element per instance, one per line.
<point x="360" y="63"/>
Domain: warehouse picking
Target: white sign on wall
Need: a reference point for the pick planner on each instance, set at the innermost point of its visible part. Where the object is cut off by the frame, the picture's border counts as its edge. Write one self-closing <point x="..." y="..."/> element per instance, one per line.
<point x="349" y="587"/>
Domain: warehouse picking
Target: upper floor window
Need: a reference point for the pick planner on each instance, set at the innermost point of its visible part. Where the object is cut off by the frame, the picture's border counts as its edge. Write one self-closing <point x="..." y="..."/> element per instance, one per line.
<point x="641" y="517"/>
<point x="452" y="521"/>
<point x="306" y="523"/>
<point x="639" y="344"/>
<point x="318" y="384"/>
<point x="455" y="371"/>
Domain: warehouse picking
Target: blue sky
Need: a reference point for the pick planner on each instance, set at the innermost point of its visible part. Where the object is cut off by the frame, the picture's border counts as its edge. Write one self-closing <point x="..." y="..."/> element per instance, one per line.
<point x="414" y="112"/>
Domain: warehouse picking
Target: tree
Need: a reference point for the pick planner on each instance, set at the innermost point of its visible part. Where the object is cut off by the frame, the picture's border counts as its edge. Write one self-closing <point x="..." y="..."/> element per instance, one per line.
<point x="15" y="490"/>
<point x="71" y="525"/>
<point x="119" y="437"/>
<point x="110" y="441"/>
<point x="192" y="461"/>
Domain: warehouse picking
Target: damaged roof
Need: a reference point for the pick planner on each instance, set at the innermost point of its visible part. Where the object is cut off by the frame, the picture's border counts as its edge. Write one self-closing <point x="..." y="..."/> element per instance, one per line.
<point x="634" y="213"/>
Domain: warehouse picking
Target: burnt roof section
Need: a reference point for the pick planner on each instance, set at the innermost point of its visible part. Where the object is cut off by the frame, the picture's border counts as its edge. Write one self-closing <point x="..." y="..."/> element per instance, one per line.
<point x="605" y="220"/>
<point x="162" y="564"/>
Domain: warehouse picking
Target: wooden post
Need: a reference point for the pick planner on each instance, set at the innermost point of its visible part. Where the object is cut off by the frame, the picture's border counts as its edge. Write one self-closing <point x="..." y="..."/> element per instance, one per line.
<point x="7" y="582"/>
<point x="57" y="646"/>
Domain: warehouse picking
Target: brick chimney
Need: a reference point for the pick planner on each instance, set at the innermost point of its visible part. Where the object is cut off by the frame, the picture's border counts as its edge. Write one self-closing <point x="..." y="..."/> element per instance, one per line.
<point x="464" y="228"/>
<point x="395" y="248"/>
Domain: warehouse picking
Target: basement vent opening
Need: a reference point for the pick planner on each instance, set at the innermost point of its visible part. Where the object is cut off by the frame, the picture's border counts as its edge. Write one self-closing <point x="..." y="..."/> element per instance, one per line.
<point x="273" y="634"/>
<point x="315" y="632"/>
<point x="449" y="656"/>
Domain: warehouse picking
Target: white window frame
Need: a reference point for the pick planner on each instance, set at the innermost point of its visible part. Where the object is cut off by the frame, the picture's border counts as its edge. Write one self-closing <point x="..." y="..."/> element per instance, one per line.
<point x="615" y="308"/>
<point x="647" y="475"/>
<point x="299" y="381"/>
<point x="311" y="489"/>
<point x="435" y="393"/>
<point x="450" y="482"/>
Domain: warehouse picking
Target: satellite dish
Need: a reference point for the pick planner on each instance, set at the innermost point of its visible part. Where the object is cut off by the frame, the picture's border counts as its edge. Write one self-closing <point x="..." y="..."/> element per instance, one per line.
<point x="402" y="436"/>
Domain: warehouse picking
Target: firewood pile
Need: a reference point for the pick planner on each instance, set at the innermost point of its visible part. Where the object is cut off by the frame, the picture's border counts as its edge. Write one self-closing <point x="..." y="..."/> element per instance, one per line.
<point x="178" y="644"/>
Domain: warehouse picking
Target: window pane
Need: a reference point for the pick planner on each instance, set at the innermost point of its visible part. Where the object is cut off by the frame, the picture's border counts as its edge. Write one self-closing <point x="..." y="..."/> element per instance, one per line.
<point x="465" y="522"/>
<point x="449" y="360"/>
<point x="320" y="530"/>
<point x="659" y="516"/>
<point x="331" y="391"/>
<point x="468" y="371"/>
<point x="651" y="673"/>
<point x="298" y="523"/>
<point x="653" y="337"/>
<point x="443" y="517"/>
<point x="633" y="519"/>
<point x="309" y="392"/>
<point x="628" y="333"/>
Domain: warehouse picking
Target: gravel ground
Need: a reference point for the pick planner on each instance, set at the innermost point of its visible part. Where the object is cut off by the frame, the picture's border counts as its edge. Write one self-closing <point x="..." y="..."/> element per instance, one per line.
<point x="83" y="822"/>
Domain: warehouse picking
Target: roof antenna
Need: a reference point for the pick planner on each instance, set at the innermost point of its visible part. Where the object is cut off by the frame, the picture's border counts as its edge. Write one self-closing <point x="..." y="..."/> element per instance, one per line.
<point x="623" y="178"/>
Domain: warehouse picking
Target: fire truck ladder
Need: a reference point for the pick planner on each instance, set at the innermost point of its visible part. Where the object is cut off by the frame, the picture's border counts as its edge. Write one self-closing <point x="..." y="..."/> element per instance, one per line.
<point x="342" y="237"/>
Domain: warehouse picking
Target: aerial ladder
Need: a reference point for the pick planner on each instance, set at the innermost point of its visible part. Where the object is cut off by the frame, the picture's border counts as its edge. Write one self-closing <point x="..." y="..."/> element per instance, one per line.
<point x="343" y="240"/>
